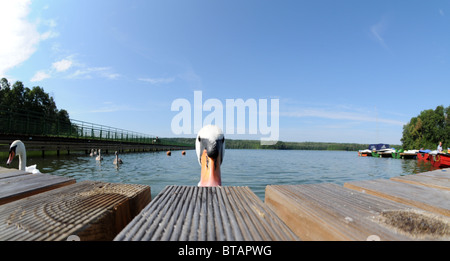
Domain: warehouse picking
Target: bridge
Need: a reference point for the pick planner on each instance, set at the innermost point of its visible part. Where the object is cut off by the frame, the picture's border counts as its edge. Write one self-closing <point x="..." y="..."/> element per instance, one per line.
<point x="41" y="133"/>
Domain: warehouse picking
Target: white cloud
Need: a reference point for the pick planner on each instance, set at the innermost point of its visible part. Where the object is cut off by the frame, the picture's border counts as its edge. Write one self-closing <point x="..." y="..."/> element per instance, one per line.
<point x="19" y="36"/>
<point x="377" y="30"/>
<point x="339" y="115"/>
<point x="111" y="76"/>
<point x="49" y="34"/>
<point x="157" y="80"/>
<point x="90" y="72"/>
<point x="62" y="65"/>
<point x="39" y="76"/>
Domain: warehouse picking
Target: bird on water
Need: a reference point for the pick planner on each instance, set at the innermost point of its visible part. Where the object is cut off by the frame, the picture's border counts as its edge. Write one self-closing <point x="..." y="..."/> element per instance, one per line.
<point x="17" y="148"/>
<point x="117" y="160"/>
<point x="210" y="149"/>
<point x="99" y="157"/>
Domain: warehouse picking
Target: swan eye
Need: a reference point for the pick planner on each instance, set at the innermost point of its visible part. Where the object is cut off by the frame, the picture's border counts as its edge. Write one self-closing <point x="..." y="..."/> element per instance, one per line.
<point x="13" y="149"/>
<point x="199" y="139"/>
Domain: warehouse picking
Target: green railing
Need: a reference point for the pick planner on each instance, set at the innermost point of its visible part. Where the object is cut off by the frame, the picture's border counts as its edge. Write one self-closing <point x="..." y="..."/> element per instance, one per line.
<point x="31" y="123"/>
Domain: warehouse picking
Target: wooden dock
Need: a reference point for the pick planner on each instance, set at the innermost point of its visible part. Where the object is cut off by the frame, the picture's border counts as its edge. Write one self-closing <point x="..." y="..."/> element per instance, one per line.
<point x="42" y="207"/>
<point x="190" y="213"/>
<point x="413" y="207"/>
<point x="17" y="184"/>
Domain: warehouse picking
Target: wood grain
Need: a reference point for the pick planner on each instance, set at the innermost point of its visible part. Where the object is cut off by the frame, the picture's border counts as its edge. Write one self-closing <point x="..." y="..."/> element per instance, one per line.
<point x="21" y="186"/>
<point x="190" y="213"/>
<point x="331" y="212"/>
<point x="439" y="179"/>
<point x="90" y="210"/>
<point x="423" y="197"/>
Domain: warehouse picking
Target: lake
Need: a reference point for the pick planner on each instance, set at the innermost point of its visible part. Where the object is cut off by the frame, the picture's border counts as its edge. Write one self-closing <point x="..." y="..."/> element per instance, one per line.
<point x="253" y="168"/>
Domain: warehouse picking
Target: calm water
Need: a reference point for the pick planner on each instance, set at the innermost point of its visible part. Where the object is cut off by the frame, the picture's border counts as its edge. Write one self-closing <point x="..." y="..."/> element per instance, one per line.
<point x="253" y="168"/>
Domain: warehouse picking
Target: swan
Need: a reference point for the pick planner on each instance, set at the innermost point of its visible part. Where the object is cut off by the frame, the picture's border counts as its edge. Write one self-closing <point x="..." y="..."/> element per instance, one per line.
<point x="117" y="160"/>
<point x="92" y="153"/>
<point x="210" y="149"/>
<point x="18" y="148"/>
<point x="99" y="157"/>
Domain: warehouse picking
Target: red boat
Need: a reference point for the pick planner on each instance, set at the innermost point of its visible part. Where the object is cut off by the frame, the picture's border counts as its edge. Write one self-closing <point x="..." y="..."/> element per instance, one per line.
<point x="423" y="156"/>
<point x="440" y="160"/>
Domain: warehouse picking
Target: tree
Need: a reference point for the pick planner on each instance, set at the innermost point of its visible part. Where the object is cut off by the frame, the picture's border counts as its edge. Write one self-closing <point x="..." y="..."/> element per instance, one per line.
<point x="30" y="107"/>
<point x="427" y="129"/>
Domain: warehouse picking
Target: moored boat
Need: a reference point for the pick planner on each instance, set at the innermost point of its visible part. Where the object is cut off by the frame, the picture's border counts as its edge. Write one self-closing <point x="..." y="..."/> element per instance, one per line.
<point x="423" y="155"/>
<point x="364" y="153"/>
<point x="440" y="160"/>
<point x="379" y="149"/>
<point x="409" y="154"/>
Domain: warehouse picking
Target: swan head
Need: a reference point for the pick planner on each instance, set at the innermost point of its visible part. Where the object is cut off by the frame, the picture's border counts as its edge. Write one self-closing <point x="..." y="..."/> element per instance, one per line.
<point x="210" y="149"/>
<point x="16" y="148"/>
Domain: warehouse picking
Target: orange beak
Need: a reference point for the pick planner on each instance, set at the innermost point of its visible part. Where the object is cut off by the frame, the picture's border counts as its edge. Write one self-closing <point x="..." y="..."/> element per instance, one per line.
<point x="11" y="157"/>
<point x="210" y="176"/>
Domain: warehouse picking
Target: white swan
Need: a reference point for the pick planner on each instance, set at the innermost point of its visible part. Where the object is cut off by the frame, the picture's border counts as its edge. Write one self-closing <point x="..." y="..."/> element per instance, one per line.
<point x="210" y="148"/>
<point x="18" y="148"/>
<point x="99" y="157"/>
<point x="117" y="160"/>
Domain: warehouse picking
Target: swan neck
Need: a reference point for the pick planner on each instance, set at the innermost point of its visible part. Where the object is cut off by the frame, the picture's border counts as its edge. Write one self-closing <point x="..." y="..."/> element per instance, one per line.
<point x="22" y="161"/>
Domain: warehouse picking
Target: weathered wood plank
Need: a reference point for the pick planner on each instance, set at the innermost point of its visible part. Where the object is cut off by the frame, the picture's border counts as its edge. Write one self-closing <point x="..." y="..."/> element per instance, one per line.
<point x="22" y="186"/>
<point x="90" y="210"/>
<point x="190" y="213"/>
<point x="331" y="212"/>
<point x="439" y="179"/>
<point x="427" y="198"/>
<point x="8" y="173"/>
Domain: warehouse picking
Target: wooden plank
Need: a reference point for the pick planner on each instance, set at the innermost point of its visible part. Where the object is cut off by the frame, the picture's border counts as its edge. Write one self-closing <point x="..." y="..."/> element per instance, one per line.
<point x="331" y="212"/>
<point x="427" y="198"/>
<point x="8" y="173"/>
<point x="90" y="210"/>
<point x="191" y="213"/>
<point x="439" y="179"/>
<point x="22" y="186"/>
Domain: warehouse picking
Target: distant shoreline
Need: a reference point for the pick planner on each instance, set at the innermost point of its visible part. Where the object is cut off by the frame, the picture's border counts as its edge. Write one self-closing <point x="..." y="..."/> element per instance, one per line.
<point x="283" y="145"/>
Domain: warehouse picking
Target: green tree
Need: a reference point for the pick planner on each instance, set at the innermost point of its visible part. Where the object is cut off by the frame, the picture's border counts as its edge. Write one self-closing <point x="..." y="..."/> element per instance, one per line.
<point x="22" y="107"/>
<point x="427" y="129"/>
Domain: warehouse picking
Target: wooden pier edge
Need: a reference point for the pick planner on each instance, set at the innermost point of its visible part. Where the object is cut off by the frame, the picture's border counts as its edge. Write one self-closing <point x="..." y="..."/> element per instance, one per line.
<point x="423" y="197"/>
<point x="413" y="207"/>
<point x="328" y="212"/>
<point x="17" y="184"/>
<point x="90" y="210"/>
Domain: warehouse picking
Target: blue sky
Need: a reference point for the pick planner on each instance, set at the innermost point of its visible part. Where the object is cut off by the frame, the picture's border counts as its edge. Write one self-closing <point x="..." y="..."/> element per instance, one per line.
<point x="343" y="71"/>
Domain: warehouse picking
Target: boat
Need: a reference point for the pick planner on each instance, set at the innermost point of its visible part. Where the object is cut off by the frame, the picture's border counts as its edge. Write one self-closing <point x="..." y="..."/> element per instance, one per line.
<point x="397" y="154"/>
<point x="386" y="153"/>
<point x="364" y="153"/>
<point x="377" y="149"/>
<point x="409" y="154"/>
<point x="379" y="146"/>
<point x="423" y="155"/>
<point x="439" y="160"/>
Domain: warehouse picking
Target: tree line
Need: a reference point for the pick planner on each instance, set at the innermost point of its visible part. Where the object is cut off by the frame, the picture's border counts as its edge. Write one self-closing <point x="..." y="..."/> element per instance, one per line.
<point x="280" y="145"/>
<point x="19" y="105"/>
<point x="428" y="129"/>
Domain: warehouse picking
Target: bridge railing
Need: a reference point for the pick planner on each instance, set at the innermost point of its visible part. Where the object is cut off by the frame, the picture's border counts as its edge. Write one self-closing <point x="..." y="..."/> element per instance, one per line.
<point x="31" y="123"/>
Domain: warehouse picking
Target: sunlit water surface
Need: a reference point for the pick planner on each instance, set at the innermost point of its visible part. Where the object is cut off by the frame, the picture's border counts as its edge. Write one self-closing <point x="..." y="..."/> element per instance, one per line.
<point x="253" y="168"/>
